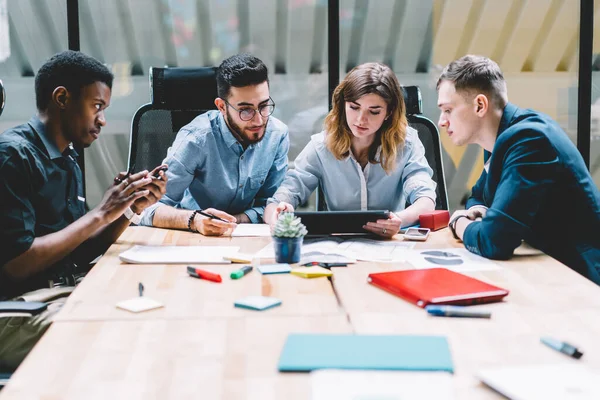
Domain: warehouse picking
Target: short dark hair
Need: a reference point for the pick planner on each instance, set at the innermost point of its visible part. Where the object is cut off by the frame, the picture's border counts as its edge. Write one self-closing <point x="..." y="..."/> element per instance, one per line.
<point x="479" y="74"/>
<point x="71" y="69"/>
<point x="239" y="71"/>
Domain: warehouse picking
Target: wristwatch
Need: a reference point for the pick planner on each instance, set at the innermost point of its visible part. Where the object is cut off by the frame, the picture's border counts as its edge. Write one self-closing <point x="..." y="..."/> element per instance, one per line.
<point x="131" y="216"/>
<point x="452" y="225"/>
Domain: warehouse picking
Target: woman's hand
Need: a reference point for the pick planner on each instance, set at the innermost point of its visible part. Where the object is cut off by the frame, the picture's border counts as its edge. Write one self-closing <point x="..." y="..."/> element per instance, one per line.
<point x="385" y="227"/>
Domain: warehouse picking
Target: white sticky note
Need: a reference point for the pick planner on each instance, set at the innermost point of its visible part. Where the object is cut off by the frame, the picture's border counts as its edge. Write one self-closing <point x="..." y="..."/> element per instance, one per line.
<point x="139" y="304"/>
<point x="257" y="302"/>
<point x="274" y="268"/>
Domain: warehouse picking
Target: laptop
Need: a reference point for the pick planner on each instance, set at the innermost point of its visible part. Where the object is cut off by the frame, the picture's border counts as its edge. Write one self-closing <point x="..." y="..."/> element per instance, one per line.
<point x="565" y="381"/>
<point x="436" y="286"/>
<point x="322" y="223"/>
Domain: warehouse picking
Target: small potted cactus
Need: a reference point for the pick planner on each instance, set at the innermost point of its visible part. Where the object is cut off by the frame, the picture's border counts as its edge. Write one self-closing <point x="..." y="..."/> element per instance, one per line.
<point x="288" y="234"/>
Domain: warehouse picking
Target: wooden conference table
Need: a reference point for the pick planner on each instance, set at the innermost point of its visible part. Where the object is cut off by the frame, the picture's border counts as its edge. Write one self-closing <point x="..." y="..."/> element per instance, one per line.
<point x="200" y="346"/>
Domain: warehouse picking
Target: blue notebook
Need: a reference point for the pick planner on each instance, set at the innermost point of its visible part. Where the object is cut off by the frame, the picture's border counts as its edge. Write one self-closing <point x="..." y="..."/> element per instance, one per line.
<point x="307" y="352"/>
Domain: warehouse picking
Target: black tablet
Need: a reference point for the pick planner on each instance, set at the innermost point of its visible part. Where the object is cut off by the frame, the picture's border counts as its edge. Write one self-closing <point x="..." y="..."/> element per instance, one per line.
<point x="320" y="223"/>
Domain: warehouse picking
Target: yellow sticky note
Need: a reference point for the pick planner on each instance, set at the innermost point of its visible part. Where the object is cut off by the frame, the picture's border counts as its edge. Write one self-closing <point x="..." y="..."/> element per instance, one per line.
<point x="311" y="272"/>
<point x="239" y="258"/>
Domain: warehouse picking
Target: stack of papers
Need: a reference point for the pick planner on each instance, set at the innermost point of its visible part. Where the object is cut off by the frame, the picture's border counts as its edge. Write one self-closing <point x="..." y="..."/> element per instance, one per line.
<point x="344" y="250"/>
<point x="178" y="254"/>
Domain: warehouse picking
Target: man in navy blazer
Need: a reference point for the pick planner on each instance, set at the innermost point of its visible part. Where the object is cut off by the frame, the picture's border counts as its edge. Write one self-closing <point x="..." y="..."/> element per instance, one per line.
<point x="535" y="186"/>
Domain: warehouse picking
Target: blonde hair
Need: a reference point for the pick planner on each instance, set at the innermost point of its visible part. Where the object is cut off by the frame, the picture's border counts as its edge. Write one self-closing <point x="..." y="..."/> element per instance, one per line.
<point x="364" y="79"/>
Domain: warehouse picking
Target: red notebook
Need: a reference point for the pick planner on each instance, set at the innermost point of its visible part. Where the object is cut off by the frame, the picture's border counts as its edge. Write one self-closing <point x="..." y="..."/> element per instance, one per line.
<point x="436" y="286"/>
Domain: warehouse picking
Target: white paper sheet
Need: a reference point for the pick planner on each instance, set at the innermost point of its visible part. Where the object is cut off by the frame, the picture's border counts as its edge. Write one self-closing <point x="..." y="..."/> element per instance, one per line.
<point x="251" y="230"/>
<point x="458" y="260"/>
<point x="380" y="385"/>
<point x="336" y="249"/>
<point x="178" y="254"/>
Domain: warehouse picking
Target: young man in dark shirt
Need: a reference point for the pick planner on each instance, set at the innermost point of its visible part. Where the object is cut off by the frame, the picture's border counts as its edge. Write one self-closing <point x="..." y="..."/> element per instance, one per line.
<point x="47" y="237"/>
<point x="534" y="187"/>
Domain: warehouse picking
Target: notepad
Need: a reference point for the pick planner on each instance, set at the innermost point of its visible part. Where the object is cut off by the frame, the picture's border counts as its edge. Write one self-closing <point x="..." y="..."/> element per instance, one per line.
<point x="241" y="258"/>
<point x="139" y="304"/>
<point x="274" y="269"/>
<point x="258" y="303"/>
<point x="311" y="272"/>
<point x="307" y="352"/>
<point x="178" y="254"/>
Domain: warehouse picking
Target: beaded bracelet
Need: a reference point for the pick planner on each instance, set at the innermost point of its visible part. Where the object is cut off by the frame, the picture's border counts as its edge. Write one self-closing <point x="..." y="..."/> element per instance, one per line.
<point x="190" y="220"/>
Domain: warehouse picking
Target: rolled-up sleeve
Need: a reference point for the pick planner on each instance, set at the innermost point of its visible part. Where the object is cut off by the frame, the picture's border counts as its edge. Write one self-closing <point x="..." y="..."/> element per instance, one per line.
<point x="17" y="214"/>
<point x="182" y="159"/>
<point x="417" y="174"/>
<point x="302" y="180"/>
<point x="273" y="180"/>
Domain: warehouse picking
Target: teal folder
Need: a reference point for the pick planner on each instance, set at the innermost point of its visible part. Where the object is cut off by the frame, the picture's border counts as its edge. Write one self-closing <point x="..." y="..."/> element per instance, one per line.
<point x="307" y="352"/>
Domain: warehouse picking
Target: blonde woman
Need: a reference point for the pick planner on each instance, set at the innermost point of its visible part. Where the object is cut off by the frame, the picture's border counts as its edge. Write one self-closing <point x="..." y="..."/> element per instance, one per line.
<point x="367" y="158"/>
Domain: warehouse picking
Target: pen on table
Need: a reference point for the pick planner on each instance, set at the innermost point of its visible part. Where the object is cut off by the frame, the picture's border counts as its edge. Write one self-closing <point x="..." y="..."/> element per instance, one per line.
<point x="209" y="215"/>
<point x="201" y="274"/>
<point x="324" y="265"/>
<point x="141" y="289"/>
<point x="563" y="347"/>
<point x="245" y="270"/>
<point x="457" y="311"/>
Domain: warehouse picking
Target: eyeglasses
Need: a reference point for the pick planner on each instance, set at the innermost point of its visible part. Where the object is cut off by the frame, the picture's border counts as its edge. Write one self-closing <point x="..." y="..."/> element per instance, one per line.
<point x="247" y="113"/>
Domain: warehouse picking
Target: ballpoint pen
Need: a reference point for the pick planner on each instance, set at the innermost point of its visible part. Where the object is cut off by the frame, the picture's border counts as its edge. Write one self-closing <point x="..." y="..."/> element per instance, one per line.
<point x="209" y="215"/>
<point x="141" y="289"/>
<point x="457" y="311"/>
<point x="127" y="175"/>
<point x="563" y="347"/>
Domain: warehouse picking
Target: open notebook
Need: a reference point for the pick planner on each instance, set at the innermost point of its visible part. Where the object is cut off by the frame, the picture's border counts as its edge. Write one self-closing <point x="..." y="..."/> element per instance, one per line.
<point x="178" y="254"/>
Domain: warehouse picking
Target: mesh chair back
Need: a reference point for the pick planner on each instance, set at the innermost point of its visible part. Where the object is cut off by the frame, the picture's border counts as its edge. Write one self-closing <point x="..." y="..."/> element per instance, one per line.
<point x="2" y="96"/>
<point x="178" y="96"/>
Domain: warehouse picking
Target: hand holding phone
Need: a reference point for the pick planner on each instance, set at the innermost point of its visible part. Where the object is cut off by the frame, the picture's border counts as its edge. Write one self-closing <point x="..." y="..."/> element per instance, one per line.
<point x="420" y="234"/>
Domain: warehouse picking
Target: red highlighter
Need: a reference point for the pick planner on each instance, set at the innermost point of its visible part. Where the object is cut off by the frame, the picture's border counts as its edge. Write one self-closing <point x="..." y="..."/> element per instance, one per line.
<point x="201" y="274"/>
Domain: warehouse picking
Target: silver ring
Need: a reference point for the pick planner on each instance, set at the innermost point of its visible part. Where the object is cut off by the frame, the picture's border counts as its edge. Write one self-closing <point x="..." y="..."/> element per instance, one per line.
<point x="384" y="230"/>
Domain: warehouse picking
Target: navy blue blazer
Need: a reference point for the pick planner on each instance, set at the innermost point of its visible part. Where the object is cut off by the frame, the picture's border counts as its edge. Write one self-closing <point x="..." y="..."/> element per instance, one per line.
<point x="537" y="189"/>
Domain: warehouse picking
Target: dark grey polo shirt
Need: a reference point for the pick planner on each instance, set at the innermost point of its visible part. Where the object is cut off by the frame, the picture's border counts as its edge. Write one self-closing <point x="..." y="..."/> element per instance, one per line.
<point x="41" y="192"/>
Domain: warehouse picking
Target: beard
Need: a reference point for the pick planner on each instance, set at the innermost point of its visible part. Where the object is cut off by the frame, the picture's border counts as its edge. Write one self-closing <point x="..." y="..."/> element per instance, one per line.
<point x="247" y="136"/>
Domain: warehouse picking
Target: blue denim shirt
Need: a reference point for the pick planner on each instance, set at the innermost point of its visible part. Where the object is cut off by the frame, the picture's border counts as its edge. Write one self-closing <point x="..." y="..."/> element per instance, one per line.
<point x="208" y="167"/>
<point x="347" y="187"/>
<point x="537" y="189"/>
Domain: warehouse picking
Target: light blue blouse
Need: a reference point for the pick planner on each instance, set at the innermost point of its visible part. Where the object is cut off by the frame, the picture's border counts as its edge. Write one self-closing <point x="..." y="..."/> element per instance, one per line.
<point x="346" y="186"/>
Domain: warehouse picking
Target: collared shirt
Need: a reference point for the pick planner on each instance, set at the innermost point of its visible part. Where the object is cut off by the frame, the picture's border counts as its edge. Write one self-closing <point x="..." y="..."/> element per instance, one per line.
<point x="346" y="186"/>
<point x="41" y="192"/>
<point x="538" y="189"/>
<point x="208" y="167"/>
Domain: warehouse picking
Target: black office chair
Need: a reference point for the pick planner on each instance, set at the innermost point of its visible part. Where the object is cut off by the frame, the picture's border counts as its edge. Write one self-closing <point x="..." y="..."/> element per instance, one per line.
<point x="2" y="97"/>
<point x="429" y="136"/>
<point x="178" y="95"/>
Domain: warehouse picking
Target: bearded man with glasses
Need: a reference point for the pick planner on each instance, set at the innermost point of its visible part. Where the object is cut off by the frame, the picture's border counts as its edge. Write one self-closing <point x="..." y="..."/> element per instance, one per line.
<point x="226" y="163"/>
